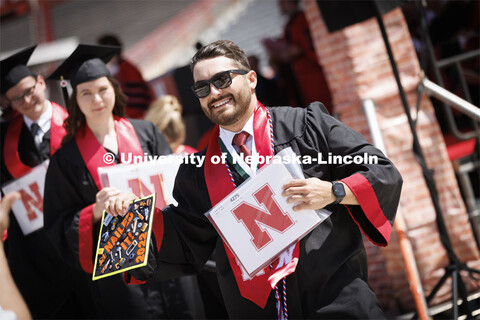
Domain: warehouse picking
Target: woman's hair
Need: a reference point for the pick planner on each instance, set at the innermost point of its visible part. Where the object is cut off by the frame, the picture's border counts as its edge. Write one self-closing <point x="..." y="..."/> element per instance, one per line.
<point x="76" y="118"/>
<point x="166" y="114"/>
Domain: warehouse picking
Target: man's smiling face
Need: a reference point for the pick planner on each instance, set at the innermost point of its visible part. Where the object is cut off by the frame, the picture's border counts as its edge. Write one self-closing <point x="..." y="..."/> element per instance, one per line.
<point x="230" y="107"/>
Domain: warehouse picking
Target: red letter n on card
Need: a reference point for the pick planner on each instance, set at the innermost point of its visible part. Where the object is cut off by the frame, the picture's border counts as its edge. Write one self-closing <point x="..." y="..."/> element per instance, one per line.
<point x="140" y="189"/>
<point x="252" y="216"/>
<point x="29" y="202"/>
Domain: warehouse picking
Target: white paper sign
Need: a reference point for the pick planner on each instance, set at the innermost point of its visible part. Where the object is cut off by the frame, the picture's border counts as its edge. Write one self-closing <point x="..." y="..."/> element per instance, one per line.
<point x="144" y="178"/>
<point x="28" y="209"/>
<point x="257" y="223"/>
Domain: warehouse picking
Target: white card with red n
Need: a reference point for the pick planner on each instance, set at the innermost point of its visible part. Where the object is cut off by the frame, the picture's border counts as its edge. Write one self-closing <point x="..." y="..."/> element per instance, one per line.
<point x="28" y="210"/>
<point x="257" y="223"/>
<point x="144" y="178"/>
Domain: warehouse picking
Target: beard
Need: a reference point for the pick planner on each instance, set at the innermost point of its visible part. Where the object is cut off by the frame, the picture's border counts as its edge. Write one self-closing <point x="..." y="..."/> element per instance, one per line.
<point x="231" y="114"/>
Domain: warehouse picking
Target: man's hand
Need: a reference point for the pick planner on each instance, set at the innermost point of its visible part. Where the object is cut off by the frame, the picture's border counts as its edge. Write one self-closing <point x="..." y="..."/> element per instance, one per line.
<point x="311" y="193"/>
<point x="314" y="194"/>
<point x="5" y="207"/>
<point x="113" y="201"/>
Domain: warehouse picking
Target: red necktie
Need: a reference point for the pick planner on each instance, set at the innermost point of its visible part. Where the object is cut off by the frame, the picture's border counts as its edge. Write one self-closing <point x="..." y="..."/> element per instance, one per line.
<point x="240" y="140"/>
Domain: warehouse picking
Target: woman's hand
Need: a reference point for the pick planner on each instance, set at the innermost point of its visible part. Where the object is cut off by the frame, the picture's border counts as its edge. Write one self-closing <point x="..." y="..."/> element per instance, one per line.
<point x="113" y="201"/>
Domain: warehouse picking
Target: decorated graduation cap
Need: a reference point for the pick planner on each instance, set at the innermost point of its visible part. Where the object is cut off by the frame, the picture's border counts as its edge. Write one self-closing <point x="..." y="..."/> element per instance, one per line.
<point x="86" y="63"/>
<point x="14" y="68"/>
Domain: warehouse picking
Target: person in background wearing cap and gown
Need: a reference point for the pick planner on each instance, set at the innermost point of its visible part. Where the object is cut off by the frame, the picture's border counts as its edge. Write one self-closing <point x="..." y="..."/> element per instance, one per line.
<point x="29" y="139"/>
<point x="74" y="199"/>
<point x="139" y="92"/>
<point x="30" y="132"/>
<point x="302" y="77"/>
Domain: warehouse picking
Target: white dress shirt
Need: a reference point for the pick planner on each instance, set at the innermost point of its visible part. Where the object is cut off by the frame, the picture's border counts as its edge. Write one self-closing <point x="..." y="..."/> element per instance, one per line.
<point x="44" y="122"/>
<point x="227" y="138"/>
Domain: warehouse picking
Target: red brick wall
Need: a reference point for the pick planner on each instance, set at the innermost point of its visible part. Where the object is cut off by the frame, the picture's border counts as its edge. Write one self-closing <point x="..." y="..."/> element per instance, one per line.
<point x="357" y="67"/>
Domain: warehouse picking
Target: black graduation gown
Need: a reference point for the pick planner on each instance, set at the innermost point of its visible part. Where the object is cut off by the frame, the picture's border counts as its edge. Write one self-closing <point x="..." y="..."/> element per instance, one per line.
<point x="27" y="151"/>
<point x="47" y="285"/>
<point x="69" y="188"/>
<point x="330" y="280"/>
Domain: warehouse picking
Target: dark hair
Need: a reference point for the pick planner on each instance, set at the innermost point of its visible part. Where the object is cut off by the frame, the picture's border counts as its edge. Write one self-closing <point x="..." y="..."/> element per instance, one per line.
<point x="222" y="48"/>
<point x="76" y="118"/>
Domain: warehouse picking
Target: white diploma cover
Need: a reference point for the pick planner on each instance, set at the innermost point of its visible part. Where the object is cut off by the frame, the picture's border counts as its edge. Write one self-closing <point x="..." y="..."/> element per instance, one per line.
<point x="28" y="210"/>
<point x="145" y="178"/>
<point x="257" y="223"/>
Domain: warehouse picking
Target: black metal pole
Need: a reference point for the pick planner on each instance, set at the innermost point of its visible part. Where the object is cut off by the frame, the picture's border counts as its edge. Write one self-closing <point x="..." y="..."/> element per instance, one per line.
<point x="419" y="5"/>
<point x="428" y="175"/>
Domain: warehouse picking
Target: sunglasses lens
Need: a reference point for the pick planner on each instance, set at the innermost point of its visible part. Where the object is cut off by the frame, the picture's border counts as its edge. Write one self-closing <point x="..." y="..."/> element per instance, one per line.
<point x="222" y="80"/>
<point x="202" y="90"/>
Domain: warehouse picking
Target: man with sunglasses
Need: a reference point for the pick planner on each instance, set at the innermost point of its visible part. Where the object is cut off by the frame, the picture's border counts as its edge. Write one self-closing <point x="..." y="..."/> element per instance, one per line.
<point x="325" y="273"/>
<point x="27" y="140"/>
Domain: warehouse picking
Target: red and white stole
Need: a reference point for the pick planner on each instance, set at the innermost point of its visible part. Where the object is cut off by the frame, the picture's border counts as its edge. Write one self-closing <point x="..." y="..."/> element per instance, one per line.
<point x="219" y="185"/>
<point x="93" y="152"/>
<point x="12" y="137"/>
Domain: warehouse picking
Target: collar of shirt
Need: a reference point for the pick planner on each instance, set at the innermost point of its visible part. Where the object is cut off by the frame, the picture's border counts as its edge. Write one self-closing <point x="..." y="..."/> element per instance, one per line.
<point x="227" y="138"/>
<point x="44" y="121"/>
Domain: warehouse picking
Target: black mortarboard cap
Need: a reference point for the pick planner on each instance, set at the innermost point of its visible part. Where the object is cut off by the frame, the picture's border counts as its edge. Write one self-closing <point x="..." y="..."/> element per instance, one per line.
<point x="86" y="63"/>
<point x="14" y="68"/>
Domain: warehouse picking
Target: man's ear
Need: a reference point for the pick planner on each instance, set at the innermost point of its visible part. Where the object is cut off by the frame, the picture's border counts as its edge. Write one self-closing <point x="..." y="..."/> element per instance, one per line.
<point x="41" y="81"/>
<point x="252" y="79"/>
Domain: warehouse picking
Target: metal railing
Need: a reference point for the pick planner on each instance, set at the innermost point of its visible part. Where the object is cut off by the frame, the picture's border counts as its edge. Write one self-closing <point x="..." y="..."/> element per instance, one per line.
<point x="433" y="90"/>
<point x="399" y="223"/>
<point x="437" y="65"/>
<point x="456" y="62"/>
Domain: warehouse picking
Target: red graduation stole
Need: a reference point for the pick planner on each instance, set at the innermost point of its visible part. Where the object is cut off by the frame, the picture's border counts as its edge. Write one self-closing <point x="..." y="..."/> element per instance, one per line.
<point x="219" y="185"/>
<point x="93" y="152"/>
<point x="12" y="136"/>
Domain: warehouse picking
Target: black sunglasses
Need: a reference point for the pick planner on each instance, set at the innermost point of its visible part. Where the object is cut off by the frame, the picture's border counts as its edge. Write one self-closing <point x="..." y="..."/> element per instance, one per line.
<point x="221" y="81"/>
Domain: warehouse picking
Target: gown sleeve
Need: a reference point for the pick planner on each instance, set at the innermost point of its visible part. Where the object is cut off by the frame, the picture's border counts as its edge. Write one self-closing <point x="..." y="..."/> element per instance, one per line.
<point x="185" y="238"/>
<point x="376" y="183"/>
<point x="69" y="197"/>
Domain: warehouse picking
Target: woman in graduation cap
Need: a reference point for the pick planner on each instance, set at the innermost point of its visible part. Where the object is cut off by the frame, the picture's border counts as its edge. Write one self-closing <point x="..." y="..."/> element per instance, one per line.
<point x="74" y="199"/>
